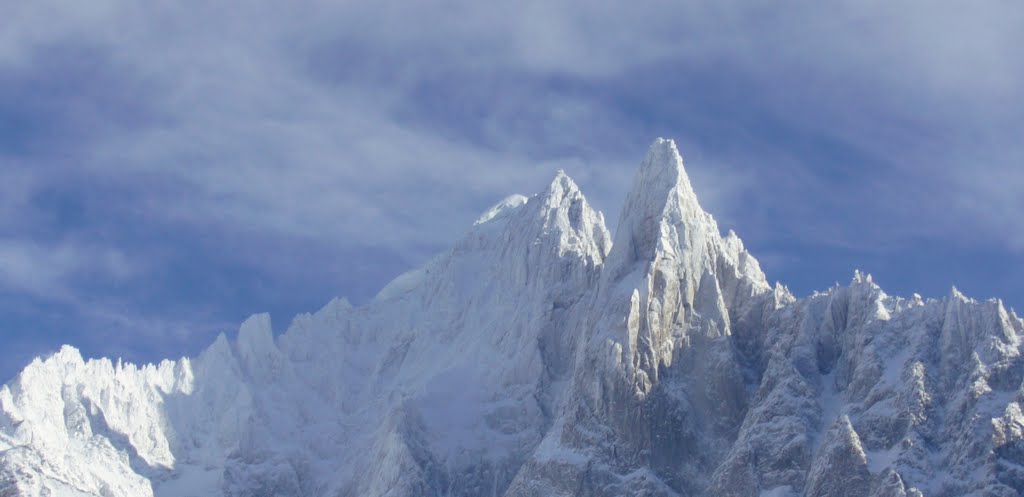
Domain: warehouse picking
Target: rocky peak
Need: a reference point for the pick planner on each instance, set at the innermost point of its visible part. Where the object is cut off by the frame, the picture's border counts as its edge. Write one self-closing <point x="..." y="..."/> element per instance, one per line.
<point x="661" y="212"/>
<point x="680" y="277"/>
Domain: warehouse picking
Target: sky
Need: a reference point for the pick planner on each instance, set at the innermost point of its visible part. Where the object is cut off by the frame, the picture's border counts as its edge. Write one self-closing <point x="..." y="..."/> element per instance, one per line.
<point x="169" y="168"/>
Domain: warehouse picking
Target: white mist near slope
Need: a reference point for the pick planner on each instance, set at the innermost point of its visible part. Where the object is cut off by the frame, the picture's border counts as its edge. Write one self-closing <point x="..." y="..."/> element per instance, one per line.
<point x="536" y="358"/>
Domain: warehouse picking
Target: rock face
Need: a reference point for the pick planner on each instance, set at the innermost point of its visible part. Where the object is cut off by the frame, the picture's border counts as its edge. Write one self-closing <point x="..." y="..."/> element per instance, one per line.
<point x="537" y="358"/>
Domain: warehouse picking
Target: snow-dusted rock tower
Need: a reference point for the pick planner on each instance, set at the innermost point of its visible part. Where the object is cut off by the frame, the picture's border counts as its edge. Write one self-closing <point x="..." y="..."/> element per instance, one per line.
<point x="537" y="358"/>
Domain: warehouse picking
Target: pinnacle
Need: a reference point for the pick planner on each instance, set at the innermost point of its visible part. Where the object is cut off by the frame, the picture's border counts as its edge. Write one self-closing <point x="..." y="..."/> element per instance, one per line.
<point x="561" y="185"/>
<point x="665" y="164"/>
<point x="661" y="194"/>
<point x="662" y="180"/>
<point x="956" y="295"/>
<point x="861" y="277"/>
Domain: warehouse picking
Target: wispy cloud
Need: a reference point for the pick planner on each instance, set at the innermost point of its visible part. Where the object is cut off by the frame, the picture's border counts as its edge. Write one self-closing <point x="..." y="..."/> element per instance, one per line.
<point x="204" y="147"/>
<point x="47" y="270"/>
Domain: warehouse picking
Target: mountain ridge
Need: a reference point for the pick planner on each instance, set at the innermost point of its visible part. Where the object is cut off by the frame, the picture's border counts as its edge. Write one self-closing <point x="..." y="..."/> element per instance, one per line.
<point x="539" y="357"/>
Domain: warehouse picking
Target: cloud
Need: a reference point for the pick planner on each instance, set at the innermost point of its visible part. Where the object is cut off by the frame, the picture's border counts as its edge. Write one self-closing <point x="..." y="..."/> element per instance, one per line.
<point x="304" y="123"/>
<point x="206" y="145"/>
<point x="46" y="270"/>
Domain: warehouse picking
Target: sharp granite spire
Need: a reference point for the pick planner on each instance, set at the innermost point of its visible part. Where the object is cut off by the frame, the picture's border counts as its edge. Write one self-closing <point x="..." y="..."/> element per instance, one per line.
<point x="680" y="277"/>
<point x="661" y="212"/>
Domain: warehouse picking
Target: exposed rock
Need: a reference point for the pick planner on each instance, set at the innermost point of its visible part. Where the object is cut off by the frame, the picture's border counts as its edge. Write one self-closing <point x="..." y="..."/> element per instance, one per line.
<point x="536" y="358"/>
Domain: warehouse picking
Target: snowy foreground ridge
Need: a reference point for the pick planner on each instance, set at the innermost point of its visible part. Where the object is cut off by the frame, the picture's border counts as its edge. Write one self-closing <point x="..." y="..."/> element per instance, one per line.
<point x="539" y="358"/>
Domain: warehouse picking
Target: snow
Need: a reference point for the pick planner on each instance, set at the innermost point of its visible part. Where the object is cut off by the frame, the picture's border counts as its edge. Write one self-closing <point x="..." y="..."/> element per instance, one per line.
<point x="503" y="208"/>
<point x="536" y="357"/>
<point x="880" y="460"/>
<point x="401" y="285"/>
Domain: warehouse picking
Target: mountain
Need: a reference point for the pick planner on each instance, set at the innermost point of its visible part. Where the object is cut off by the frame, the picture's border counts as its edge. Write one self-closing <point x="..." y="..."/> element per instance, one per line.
<point x="540" y="357"/>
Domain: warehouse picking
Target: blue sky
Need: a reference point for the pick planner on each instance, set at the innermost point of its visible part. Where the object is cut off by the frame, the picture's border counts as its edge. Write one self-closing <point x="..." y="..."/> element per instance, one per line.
<point x="167" y="169"/>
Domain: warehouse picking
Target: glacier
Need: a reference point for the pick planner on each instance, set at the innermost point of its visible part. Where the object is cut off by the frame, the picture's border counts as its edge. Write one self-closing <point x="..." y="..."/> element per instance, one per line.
<point x="541" y="356"/>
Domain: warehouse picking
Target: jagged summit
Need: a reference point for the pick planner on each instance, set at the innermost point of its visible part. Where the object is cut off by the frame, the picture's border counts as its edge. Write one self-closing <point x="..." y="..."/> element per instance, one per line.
<point x="560" y="187"/>
<point x="660" y="200"/>
<point x="661" y="169"/>
<point x="537" y="359"/>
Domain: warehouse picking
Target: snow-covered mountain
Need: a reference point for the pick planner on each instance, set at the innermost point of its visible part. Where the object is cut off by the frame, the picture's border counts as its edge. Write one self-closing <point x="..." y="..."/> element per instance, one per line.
<point x="539" y="358"/>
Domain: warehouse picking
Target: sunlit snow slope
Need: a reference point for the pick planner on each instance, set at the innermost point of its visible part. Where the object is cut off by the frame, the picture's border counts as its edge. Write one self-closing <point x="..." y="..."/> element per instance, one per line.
<point x="538" y="358"/>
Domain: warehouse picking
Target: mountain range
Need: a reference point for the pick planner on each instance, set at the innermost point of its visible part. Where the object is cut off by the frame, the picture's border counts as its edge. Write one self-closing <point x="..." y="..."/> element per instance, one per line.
<point x="543" y="356"/>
